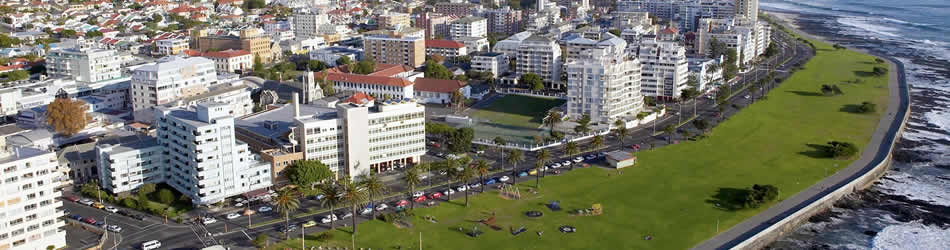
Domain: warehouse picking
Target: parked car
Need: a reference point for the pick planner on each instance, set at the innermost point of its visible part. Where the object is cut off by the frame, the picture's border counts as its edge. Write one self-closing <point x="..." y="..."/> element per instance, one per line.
<point x="420" y="198"/>
<point x="98" y="205"/>
<point x="747" y="96"/>
<point x="366" y="210"/>
<point x="264" y="209"/>
<point x="75" y="217"/>
<point x="114" y="228"/>
<point x="345" y="215"/>
<point x="86" y="202"/>
<point x="381" y="207"/>
<point x="474" y="185"/>
<point x="590" y="157"/>
<point x="138" y="216"/>
<point x="448" y="192"/>
<point x="462" y="188"/>
<point x="490" y="181"/>
<point x="417" y="193"/>
<point x="329" y="218"/>
<point x="208" y="220"/>
<point x="124" y="213"/>
<point x="309" y="224"/>
<point x="522" y="174"/>
<point x="402" y="203"/>
<point x="435" y="195"/>
<point x="89" y="220"/>
<point x="71" y="198"/>
<point x="566" y="163"/>
<point x="232" y="216"/>
<point x="100" y="223"/>
<point x="152" y="244"/>
<point x="533" y="172"/>
<point x="476" y="151"/>
<point x="503" y="178"/>
<point x="111" y="209"/>
<point x="578" y="159"/>
<point x="287" y="229"/>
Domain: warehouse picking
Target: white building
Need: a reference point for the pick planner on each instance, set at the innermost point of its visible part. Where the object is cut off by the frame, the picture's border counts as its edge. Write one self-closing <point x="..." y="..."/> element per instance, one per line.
<point x="492" y="62"/>
<point x="329" y="55"/>
<point x="359" y="136"/>
<point x="470" y="26"/>
<point x="510" y="45"/>
<point x="174" y="46"/>
<point x="307" y="22"/>
<point x="439" y="91"/>
<point x="664" y="68"/>
<point x="8" y="101"/>
<point x="541" y="56"/>
<point x="707" y="75"/>
<point x="32" y="214"/>
<point x="167" y="80"/>
<point x="203" y="160"/>
<point x="236" y="95"/>
<point x="84" y="63"/>
<point x="448" y="49"/>
<point x="231" y="61"/>
<point x="473" y="44"/>
<point x="748" y="9"/>
<point x="129" y="163"/>
<point x="605" y="86"/>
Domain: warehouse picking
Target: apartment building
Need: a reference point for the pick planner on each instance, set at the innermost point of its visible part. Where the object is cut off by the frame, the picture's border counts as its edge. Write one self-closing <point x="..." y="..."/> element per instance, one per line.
<point x="170" y="47"/>
<point x="395" y="49"/>
<point x="604" y="85"/>
<point x="503" y="20"/>
<point x="510" y="45"/>
<point x="735" y="36"/>
<point x="748" y="9"/>
<point x="470" y="27"/>
<point x="448" y="49"/>
<point x="360" y="135"/>
<point x="203" y="159"/>
<point x="581" y="45"/>
<point x="231" y="61"/>
<point x="436" y="26"/>
<point x="473" y="44"/>
<point x="32" y="214"/>
<point x="664" y="68"/>
<point x="456" y="9"/>
<point x="167" y="80"/>
<point x="252" y="40"/>
<point x="84" y="63"/>
<point x="392" y="20"/>
<point x="492" y="62"/>
<point x="127" y="163"/>
<point x="307" y="22"/>
<point x="540" y="55"/>
<point x="236" y="95"/>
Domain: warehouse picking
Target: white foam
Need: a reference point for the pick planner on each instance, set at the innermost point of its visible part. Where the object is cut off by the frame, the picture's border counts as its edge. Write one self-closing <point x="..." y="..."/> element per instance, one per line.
<point x="913" y="235"/>
<point x="866" y="25"/>
<point x="920" y="182"/>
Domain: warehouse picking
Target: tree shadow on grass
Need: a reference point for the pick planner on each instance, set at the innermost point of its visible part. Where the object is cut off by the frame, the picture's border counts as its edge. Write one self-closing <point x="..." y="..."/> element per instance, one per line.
<point x="851" y="108"/>
<point x="818" y="151"/>
<point x="862" y="73"/>
<point x="805" y="93"/>
<point x="729" y="199"/>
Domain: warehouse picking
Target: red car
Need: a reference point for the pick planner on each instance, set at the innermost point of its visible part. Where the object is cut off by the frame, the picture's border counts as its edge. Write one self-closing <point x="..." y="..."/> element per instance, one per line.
<point x="435" y="195"/>
<point x="420" y="198"/>
<point x="89" y="220"/>
<point x="402" y="203"/>
<point x="71" y="198"/>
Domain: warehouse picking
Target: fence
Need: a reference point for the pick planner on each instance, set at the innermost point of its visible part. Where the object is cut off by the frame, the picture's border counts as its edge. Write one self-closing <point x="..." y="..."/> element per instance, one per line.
<point x="528" y="92"/>
<point x="536" y="147"/>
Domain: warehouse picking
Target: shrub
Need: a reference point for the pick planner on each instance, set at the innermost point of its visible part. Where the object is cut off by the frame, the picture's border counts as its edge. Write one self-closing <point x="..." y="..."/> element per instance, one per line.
<point x="842" y="149"/>
<point x="166" y="196"/>
<point x="260" y="241"/>
<point x="760" y="194"/>
<point x="867" y="107"/>
<point x="130" y="203"/>
<point x="325" y="236"/>
<point x="878" y="60"/>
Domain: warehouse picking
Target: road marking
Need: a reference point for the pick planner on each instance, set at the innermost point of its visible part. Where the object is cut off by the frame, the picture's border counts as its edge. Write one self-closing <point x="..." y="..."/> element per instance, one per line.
<point x="245" y="234"/>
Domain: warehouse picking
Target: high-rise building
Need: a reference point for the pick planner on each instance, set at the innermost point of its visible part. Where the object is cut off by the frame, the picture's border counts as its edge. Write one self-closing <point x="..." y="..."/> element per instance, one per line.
<point x="470" y="27"/>
<point x="503" y="20"/>
<point x="307" y="22"/>
<point x="31" y="211"/>
<point x="581" y="45"/>
<point x="748" y="9"/>
<point x="392" y="20"/>
<point x="665" y="69"/>
<point x="84" y="63"/>
<point x="167" y="80"/>
<point x="395" y="49"/>
<point x="456" y="9"/>
<point x="251" y="40"/>
<point x="541" y="56"/>
<point x="436" y="25"/>
<point x="604" y="86"/>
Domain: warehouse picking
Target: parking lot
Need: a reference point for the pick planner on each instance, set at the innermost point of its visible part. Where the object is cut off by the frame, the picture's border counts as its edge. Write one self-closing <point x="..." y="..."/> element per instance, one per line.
<point x="133" y="231"/>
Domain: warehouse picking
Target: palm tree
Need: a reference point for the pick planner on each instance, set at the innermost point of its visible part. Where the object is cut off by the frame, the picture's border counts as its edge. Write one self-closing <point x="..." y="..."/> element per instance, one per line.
<point x="451" y="168"/>
<point x="411" y="177"/>
<point x="287" y="201"/>
<point x="539" y="165"/>
<point x="499" y="142"/>
<point x="668" y="130"/>
<point x="374" y="188"/>
<point x="465" y="175"/>
<point x="553" y="119"/>
<point x="482" y="168"/>
<point x="571" y="149"/>
<point x="514" y="157"/>
<point x="596" y="142"/>
<point x="332" y="194"/>
<point x="353" y="195"/>
<point x="621" y="131"/>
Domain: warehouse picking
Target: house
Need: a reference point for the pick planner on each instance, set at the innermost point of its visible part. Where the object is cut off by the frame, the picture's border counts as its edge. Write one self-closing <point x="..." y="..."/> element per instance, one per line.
<point x="431" y="90"/>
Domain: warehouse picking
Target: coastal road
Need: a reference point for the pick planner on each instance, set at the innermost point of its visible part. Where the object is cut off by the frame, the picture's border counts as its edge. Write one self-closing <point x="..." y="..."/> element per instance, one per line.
<point x="877" y="151"/>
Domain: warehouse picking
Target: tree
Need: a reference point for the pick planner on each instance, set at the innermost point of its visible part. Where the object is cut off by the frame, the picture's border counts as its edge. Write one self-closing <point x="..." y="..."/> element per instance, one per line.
<point x="533" y="80"/>
<point x="308" y="173"/>
<point x="412" y="177"/>
<point x="67" y="116"/>
<point x="616" y="32"/>
<point x="331" y="196"/>
<point x="461" y="140"/>
<point x="458" y="99"/>
<point x="482" y="167"/>
<point x="317" y="65"/>
<point x="258" y="64"/>
<point x="571" y="149"/>
<point x="451" y="168"/>
<point x="166" y="196"/>
<point x="552" y="120"/>
<point x="464" y="176"/>
<point x="343" y="60"/>
<point x="364" y="67"/>
<point x="514" y="157"/>
<point x="287" y="201"/>
<point x="867" y="107"/>
<point x="254" y="4"/>
<point x="437" y="71"/>
<point x="700" y="124"/>
<point x="437" y="58"/>
<point x="879" y="71"/>
<point x="539" y="166"/>
<point x="261" y="241"/>
<point x="758" y="195"/>
<point x="354" y="196"/>
<point x="374" y="188"/>
<point x="94" y="33"/>
<point x="668" y="130"/>
<point x="841" y="150"/>
<point x="621" y="130"/>
<point x="582" y="124"/>
<point x="596" y="142"/>
<point x="147" y="189"/>
<point x="157" y="17"/>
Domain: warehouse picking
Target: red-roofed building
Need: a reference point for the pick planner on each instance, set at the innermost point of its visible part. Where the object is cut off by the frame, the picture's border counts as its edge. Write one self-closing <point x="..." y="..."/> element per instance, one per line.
<point x="231" y="2"/>
<point x="446" y="48"/>
<point x="360" y="98"/>
<point x="232" y="61"/>
<point x="431" y="90"/>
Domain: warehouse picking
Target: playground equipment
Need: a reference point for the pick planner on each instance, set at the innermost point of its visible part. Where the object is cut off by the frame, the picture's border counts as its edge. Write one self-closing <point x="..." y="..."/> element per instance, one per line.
<point x="510" y="192"/>
<point x="595" y="209"/>
<point x="519" y="231"/>
<point x="554" y="205"/>
<point x="490" y="222"/>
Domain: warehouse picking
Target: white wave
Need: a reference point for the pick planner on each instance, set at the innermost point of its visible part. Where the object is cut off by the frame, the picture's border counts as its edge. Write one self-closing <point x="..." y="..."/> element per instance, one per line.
<point x="921" y="182"/>
<point x="940" y="118"/>
<point x="913" y="235"/>
<point x="866" y="25"/>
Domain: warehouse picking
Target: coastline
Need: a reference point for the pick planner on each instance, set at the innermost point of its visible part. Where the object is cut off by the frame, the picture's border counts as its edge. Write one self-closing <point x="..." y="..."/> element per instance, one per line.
<point x="768" y="226"/>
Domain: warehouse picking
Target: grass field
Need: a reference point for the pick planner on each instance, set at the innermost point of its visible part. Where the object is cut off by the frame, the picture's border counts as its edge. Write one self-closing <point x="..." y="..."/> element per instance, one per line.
<point x="672" y="194"/>
<point x="514" y="117"/>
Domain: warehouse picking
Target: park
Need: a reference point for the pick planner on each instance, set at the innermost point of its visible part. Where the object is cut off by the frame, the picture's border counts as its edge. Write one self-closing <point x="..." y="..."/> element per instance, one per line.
<point x="676" y="196"/>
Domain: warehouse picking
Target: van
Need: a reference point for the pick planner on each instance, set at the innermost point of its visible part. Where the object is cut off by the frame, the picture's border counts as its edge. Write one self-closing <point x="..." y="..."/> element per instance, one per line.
<point x="149" y="245"/>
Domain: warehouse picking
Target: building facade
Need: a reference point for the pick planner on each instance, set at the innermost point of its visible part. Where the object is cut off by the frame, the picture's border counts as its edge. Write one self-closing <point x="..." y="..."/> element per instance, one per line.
<point x="395" y="49"/>
<point x="231" y="61"/>
<point x="504" y="20"/>
<point x="84" y="63"/>
<point x="456" y="9"/>
<point x="541" y="56"/>
<point x="446" y="48"/>
<point x="492" y="62"/>
<point x="307" y="22"/>
<point x="169" y="47"/>
<point x="470" y="27"/>
<point x="605" y="86"/>
<point x="167" y="80"/>
<point x="32" y="213"/>
<point x="664" y="68"/>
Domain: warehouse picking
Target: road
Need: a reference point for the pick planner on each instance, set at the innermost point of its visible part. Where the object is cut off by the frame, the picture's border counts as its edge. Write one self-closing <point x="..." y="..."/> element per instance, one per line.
<point x="877" y="151"/>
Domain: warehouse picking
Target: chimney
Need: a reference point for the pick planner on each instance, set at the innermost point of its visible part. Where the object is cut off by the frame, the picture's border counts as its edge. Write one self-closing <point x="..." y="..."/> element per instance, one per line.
<point x="296" y="101"/>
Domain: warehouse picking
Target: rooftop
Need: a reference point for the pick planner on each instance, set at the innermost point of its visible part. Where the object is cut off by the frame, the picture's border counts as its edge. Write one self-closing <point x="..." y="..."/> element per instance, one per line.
<point x="129" y="143"/>
<point x="444" y="44"/>
<point x="20" y="153"/>
<point x="437" y="85"/>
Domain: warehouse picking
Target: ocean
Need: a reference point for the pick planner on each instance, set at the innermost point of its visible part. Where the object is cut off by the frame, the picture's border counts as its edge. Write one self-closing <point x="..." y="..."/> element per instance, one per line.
<point x="909" y="208"/>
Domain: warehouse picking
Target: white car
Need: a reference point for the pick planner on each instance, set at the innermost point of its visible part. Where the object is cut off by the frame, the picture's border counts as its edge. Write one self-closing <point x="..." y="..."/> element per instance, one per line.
<point x="111" y="209"/>
<point x="418" y="193"/>
<point x="329" y="218"/>
<point x="114" y="228"/>
<point x="152" y="244"/>
<point x="578" y="159"/>
<point x="747" y="96"/>
<point x="381" y="207"/>
<point x="346" y="215"/>
<point x="475" y="185"/>
<point x="503" y="178"/>
<point x="556" y="165"/>
<point x="264" y="209"/>
<point x="208" y="220"/>
<point x="232" y="216"/>
<point x="366" y="211"/>
<point x="566" y="163"/>
<point x="448" y="192"/>
<point x="86" y="202"/>
<point x="552" y="166"/>
<point x="461" y="188"/>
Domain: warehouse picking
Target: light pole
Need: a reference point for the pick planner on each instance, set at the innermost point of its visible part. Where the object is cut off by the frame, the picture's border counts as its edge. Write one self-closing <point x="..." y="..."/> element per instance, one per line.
<point x="99" y="194"/>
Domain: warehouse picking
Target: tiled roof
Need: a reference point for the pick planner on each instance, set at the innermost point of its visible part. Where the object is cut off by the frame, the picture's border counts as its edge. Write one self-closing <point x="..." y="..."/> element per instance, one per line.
<point x="359" y="98"/>
<point x="390" y="69"/>
<point x="444" y="44"/>
<point x="437" y="85"/>
<point x="354" y="78"/>
<point x="226" y="53"/>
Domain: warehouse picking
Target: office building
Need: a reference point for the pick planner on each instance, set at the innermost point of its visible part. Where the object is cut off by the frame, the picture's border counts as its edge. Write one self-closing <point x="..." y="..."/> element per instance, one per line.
<point x="392" y="20"/>
<point x="307" y="22"/>
<point x="251" y="40"/>
<point x="448" y="49"/>
<point x="491" y="62"/>
<point x="168" y="47"/>
<point x="31" y="211"/>
<point x="503" y="20"/>
<point x="395" y="49"/>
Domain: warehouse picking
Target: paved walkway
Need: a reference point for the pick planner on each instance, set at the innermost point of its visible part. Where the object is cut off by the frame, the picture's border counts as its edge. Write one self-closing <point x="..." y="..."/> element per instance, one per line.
<point x="877" y="150"/>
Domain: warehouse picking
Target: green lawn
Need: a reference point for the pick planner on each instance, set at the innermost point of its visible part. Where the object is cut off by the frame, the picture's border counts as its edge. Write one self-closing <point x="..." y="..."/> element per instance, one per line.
<point x="672" y="194"/>
<point x="514" y="117"/>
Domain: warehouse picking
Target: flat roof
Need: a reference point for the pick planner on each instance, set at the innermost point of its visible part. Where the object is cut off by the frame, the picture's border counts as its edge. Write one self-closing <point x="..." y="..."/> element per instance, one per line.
<point x="129" y="143"/>
<point x="620" y="155"/>
<point x="277" y="122"/>
<point x="21" y="153"/>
